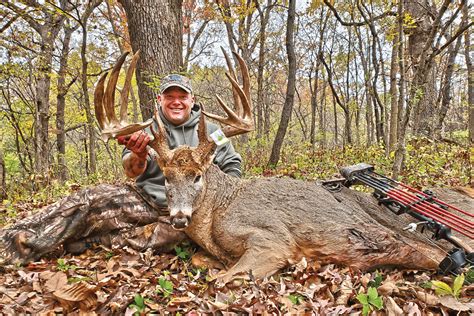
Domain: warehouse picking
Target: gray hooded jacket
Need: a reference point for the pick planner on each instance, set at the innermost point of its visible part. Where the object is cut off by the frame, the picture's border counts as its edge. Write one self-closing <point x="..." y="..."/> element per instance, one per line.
<point x="152" y="180"/>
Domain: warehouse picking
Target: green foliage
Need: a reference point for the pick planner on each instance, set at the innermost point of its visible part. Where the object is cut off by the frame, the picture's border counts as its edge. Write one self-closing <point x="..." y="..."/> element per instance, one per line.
<point x="296" y="299"/>
<point x="184" y="250"/>
<point x="469" y="275"/>
<point x="139" y="304"/>
<point x="78" y="279"/>
<point x="377" y="281"/>
<point x="441" y="288"/>
<point x="427" y="164"/>
<point x="108" y="255"/>
<point x="62" y="265"/>
<point x="370" y="300"/>
<point x="164" y="287"/>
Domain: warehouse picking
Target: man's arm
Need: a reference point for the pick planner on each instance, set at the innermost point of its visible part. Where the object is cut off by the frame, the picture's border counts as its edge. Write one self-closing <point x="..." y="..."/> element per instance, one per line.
<point x="229" y="160"/>
<point x="135" y="162"/>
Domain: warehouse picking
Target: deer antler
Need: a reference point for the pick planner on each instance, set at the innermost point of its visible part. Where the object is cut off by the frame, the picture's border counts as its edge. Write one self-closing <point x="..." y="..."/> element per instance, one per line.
<point x="104" y="103"/>
<point x="240" y="121"/>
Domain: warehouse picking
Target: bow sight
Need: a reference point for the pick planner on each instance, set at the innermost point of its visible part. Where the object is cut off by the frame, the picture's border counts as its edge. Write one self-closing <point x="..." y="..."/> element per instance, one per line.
<point x="432" y="214"/>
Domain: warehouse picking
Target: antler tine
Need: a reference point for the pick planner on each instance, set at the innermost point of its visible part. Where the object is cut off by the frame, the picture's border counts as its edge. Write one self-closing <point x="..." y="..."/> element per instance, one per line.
<point x="126" y="88"/>
<point x="98" y="101"/>
<point x="159" y="142"/>
<point x="237" y="123"/>
<point x="246" y="84"/>
<point x="109" y="98"/>
<point x="235" y="95"/>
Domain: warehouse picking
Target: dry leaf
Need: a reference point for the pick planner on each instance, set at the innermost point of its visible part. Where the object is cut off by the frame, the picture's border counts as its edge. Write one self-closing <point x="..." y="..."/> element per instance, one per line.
<point x="454" y="304"/>
<point x="365" y="279"/>
<point x="75" y="292"/>
<point x="346" y="291"/>
<point x="387" y="288"/>
<point x="56" y="282"/>
<point x="427" y="298"/>
<point x="412" y="309"/>
<point x="391" y="307"/>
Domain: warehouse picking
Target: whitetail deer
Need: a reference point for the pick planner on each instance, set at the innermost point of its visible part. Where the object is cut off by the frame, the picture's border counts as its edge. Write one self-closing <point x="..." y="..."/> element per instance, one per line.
<point x="262" y="225"/>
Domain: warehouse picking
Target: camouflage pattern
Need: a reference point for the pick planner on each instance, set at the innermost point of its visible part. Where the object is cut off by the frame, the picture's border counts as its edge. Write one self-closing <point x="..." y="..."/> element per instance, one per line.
<point x="112" y="214"/>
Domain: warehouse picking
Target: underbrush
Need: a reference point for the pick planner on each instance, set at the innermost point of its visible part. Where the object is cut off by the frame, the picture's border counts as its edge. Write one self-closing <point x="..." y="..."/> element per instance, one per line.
<point x="427" y="164"/>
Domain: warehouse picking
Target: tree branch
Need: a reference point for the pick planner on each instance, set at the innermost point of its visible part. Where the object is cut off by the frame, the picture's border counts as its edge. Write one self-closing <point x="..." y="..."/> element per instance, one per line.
<point x="338" y="17"/>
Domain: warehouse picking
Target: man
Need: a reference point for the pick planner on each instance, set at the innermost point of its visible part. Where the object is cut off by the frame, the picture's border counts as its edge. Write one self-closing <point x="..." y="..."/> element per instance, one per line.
<point x="112" y="215"/>
<point x="180" y="116"/>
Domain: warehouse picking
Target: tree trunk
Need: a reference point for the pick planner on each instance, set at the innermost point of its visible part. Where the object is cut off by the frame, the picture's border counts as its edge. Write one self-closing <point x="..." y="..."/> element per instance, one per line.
<point x="61" y="105"/>
<point x="87" y="105"/>
<point x="344" y="107"/>
<point x="155" y="28"/>
<point x="3" y="187"/>
<point x="322" y="113"/>
<point x="313" y="88"/>
<point x="291" y="86"/>
<point x="401" y="126"/>
<point x="41" y="127"/>
<point x="370" y="103"/>
<point x="392" y="134"/>
<point x="264" y="17"/>
<point x="470" y="77"/>
<point x="445" y="94"/>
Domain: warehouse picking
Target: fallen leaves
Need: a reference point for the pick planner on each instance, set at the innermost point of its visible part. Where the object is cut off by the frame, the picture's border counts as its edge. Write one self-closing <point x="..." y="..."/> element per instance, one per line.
<point x="106" y="282"/>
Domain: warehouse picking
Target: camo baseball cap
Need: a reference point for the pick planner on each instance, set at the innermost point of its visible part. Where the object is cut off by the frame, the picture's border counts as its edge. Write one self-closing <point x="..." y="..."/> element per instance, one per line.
<point x="176" y="80"/>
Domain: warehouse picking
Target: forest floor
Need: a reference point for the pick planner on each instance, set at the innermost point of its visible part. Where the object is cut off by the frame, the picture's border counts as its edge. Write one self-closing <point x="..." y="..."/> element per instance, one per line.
<point x="124" y="281"/>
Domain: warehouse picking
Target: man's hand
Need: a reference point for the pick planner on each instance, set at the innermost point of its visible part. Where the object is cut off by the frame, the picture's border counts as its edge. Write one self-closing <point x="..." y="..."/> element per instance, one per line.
<point x="134" y="163"/>
<point x="136" y="142"/>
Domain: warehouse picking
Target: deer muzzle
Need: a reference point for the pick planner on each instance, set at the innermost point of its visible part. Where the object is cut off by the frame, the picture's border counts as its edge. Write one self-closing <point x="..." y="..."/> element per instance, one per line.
<point x="180" y="221"/>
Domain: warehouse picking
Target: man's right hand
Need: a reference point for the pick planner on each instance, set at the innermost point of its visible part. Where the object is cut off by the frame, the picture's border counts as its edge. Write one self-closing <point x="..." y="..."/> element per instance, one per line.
<point x="136" y="142"/>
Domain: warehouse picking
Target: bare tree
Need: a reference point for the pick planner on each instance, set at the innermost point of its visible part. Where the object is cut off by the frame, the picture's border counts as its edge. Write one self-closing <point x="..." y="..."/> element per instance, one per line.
<point x="264" y="15"/>
<point x="47" y="22"/>
<point x="392" y="134"/>
<point x="444" y="98"/>
<point x="3" y="188"/>
<point x="63" y="88"/>
<point x="291" y="85"/>
<point x="470" y="76"/>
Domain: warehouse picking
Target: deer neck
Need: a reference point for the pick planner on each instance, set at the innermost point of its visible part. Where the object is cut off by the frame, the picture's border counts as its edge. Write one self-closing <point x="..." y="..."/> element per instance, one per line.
<point x="220" y="191"/>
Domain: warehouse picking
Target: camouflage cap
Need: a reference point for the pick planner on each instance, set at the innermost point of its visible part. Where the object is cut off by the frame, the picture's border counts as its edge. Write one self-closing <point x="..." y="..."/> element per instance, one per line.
<point x="176" y="80"/>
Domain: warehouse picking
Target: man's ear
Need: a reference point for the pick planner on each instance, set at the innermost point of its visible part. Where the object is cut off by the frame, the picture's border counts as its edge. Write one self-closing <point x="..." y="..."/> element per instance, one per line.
<point x="159" y="98"/>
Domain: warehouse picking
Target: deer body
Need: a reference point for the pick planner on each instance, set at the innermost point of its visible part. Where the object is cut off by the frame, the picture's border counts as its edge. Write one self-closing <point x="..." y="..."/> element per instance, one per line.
<point x="265" y="224"/>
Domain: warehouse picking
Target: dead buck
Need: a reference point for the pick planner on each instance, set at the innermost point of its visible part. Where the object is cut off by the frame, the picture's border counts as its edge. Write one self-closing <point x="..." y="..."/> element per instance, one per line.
<point x="263" y="225"/>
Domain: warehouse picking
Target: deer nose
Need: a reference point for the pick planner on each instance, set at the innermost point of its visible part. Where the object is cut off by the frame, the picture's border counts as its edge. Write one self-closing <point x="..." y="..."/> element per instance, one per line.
<point x="180" y="221"/>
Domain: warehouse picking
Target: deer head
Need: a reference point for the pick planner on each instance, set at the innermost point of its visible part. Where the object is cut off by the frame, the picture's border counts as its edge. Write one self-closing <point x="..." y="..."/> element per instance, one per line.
<point x="184" y="167"/>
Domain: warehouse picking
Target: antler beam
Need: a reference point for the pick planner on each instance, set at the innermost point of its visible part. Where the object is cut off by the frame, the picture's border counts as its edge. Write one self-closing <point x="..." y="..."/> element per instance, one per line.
<point x="104" y="102"/>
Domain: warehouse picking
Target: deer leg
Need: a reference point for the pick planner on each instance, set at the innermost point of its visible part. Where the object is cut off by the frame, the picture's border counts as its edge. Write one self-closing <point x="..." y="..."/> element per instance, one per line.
<point x="261" y="260"/>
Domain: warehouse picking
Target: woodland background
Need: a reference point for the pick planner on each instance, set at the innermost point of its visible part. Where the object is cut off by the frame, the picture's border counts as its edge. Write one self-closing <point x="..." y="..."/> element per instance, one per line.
<point x="333" y="83"/>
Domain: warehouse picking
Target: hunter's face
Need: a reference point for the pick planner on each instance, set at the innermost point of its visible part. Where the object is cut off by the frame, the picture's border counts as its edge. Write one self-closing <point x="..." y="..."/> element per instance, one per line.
<point x="176" y="105"/>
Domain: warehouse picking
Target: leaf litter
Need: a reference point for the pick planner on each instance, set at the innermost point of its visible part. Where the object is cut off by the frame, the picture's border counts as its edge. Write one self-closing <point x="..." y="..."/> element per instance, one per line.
<point x="127" y="282"/>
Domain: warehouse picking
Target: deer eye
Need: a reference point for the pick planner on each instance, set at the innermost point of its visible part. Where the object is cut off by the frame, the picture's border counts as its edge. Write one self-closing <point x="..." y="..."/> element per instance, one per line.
<point x="197" y="179"/>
